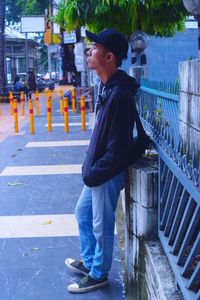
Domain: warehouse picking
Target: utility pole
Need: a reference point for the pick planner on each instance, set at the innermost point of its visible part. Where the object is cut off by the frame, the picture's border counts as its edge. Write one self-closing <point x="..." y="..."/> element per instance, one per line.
<point x="2" y="47"/>
<point x="26" y="55"/>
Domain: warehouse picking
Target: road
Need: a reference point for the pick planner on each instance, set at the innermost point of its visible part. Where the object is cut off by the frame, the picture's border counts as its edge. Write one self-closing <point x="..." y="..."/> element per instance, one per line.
<point x="40" y="180"/>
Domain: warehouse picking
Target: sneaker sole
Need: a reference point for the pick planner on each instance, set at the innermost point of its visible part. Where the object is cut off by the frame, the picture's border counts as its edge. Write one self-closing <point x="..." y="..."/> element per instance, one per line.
<point x="74" y="270"/>
<point x="73" y="289"/>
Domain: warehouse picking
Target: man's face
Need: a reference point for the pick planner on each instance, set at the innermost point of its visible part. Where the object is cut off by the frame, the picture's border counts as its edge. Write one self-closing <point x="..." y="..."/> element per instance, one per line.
<point x="96" y="56"/>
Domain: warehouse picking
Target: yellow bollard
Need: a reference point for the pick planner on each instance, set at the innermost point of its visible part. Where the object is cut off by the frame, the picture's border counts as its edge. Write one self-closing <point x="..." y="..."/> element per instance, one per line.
<point x="82" y="103"/>
<point x="66" y="116"/>
<point x="37" y="104"/>
<point x="50" y="97"/>
<point x="22" y="103"/>
<point x="73" y="100"/>
<point x="50" y="94"/>
<point x="31" y="115"/>
<point x="15" y="111"/>
<point x="49" y="116"/>
<point x="61" y="93"/>
<point x="11" y="102"/>
<point x="61" y="102"/>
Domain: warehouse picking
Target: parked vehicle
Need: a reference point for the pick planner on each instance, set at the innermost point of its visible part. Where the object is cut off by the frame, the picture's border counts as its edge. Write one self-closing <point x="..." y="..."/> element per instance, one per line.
<point x="41" y="85"/>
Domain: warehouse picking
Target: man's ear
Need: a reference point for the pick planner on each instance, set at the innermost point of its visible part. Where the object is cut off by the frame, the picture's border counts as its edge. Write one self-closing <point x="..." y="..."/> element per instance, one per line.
<point x="110" y="56"/>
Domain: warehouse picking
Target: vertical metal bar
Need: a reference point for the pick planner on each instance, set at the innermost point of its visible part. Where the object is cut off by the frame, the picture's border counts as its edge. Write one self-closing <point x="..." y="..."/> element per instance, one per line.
<point x="193" y="253"/>
<point x="168" y="201"/>
<point x="178" y="216"/>
<point x="160" y="169"/>
<point x="189" y="235"/>
<point x="165" y="191"/>
<point x="189" y="210"/>
<point x="174" y="204"/>
<point x="198" y="295"/>
<point x="195" y="276"/>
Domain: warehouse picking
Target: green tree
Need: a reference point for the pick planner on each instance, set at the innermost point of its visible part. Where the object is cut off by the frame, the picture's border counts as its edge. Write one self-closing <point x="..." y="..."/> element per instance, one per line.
<point x="10" y="13"/>
<point x="155" y="17"/>
<point x="18" y="8"/>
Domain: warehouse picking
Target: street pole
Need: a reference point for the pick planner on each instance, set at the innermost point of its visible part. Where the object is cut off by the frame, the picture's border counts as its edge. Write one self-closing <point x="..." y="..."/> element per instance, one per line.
<point x="193" y="7"/>
<point x="49" y="60"/>
<point x="26" y="55"/>
<point x="198" y="39"/>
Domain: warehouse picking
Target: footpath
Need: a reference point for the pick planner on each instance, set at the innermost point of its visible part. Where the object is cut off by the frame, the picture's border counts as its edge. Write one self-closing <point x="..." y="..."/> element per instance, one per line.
<point x="40" y="183"/>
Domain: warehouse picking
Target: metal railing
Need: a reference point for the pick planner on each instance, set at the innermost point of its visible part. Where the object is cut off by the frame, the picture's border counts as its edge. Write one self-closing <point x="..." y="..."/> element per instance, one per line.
<point x="161" y="109"/>
<point x="178" y="189"/>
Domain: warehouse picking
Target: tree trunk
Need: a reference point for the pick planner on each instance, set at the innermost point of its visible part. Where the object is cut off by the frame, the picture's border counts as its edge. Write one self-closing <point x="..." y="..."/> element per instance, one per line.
<point x="2" y="47"/>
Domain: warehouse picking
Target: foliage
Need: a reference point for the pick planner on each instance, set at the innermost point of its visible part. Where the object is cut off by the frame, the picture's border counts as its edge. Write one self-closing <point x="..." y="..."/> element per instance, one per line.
<point x="17" y="8"/>
<point x="155" y="17"/>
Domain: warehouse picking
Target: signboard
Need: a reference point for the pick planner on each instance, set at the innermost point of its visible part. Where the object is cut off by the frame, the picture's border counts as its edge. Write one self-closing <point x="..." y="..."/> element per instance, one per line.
<point x="79" y="57"/>
<point x="53" y="49"/>
<point x="56" y="38"/>
<point x="32" y="24"/>
<point x="69" y="37"/>
<point x="83" y="33"/>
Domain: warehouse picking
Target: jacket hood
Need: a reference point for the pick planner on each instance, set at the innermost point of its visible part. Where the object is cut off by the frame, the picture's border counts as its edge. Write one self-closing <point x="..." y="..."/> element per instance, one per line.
<point x="123" y="79"/>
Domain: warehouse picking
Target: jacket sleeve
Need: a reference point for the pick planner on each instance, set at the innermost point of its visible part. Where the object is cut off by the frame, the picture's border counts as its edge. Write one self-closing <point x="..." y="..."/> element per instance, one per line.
<point x="119" y="137"/>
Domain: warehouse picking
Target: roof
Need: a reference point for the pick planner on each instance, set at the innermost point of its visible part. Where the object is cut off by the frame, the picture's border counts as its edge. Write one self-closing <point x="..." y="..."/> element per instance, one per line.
<point x="13" y="34"/>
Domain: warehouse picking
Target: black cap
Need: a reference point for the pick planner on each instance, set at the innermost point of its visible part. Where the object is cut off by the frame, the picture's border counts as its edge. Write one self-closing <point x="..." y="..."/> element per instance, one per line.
<point x="113" y="40"/>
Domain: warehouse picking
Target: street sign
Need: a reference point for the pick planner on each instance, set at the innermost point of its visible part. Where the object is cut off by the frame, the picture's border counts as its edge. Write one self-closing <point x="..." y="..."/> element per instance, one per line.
<point x="69" y="37"/>
<point x="32" y="24"/>
<point x="79" y="57"/>
<point x="56" y="38"/>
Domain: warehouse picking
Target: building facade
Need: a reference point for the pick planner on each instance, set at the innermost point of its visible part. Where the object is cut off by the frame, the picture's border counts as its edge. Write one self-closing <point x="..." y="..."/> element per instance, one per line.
<point x="15" y="54"/>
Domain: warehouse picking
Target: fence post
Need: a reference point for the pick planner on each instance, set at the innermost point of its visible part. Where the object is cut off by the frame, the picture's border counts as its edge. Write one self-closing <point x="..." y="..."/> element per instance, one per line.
<point x="49" y="114"/>
<point x="82" y="103"/>
<point x="22" y="103"/>
<point x="11" y="102"/>
<point x="140" y="202"/>
<point x="61" y="102"/>
<point x="73" y="100"/>
<point x="37" y="104"/>
<point x="66" y="117"/>
<point x="31" y="116"/>
<point x="15" y="110"/>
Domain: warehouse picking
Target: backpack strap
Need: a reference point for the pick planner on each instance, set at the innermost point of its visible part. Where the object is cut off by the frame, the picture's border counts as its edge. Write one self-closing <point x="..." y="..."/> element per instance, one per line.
<point x="140" y="128"/>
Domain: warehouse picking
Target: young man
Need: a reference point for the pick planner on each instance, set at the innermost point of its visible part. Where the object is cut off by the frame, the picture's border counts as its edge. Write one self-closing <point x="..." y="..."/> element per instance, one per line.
<point x="109" y="154"/>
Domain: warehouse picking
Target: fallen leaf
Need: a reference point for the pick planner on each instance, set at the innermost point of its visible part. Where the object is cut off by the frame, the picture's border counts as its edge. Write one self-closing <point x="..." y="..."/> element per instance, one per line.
<point x="47" y="222"/>
<point x="14" y="183"/>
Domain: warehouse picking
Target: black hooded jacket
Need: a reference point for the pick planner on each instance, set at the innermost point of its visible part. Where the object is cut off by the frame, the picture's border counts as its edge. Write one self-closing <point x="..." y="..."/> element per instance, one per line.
<point x="111" y="148"/>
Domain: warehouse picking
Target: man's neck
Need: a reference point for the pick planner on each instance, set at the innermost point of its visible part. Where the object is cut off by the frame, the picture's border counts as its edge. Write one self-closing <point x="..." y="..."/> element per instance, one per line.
<point x="105" y="75"/>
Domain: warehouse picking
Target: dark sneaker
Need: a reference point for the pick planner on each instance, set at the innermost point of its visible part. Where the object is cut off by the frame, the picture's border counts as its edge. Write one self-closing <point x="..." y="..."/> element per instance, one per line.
<point x="86" y="284"/>
<point x="76" y="266"/>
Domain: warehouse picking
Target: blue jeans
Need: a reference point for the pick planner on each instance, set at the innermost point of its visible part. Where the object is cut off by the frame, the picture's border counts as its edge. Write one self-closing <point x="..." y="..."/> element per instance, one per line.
<point x="95" y="213"/>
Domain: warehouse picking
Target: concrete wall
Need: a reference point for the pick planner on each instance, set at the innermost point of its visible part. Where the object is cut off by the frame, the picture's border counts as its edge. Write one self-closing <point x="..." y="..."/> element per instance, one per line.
<point x="189" y="104"/>
<point x="164" y="54"/>
<point x="147" y="271"/>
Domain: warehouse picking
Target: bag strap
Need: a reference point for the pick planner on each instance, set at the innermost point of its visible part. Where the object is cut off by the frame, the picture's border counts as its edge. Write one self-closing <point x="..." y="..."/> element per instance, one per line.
<point x="140" y="128"/>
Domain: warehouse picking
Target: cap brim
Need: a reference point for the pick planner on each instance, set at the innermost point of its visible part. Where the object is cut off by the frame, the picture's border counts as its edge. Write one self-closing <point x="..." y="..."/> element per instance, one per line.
<point x="92" y="37"/>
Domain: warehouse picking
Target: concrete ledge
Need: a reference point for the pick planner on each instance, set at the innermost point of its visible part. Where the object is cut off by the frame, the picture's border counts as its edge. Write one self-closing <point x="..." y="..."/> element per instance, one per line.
<point x="160" y="280"/>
